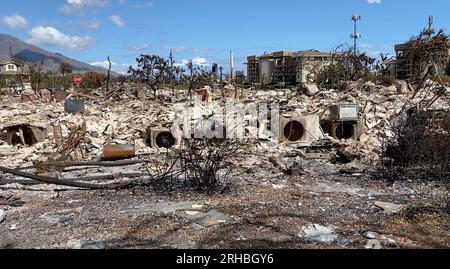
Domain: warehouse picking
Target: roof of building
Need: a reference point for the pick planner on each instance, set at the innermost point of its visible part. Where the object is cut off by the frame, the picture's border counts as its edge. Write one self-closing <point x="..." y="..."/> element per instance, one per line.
<point x="313" y="52"/>
<point x="279" y="54"/>
<point x="8" y="62"/>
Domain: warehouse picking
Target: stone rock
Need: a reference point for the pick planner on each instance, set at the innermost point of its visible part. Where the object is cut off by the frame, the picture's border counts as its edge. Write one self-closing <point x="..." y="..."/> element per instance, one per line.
<point x="58" y="217"/>
<point x="162" y="207"/>
<point x="363" y="138"/>
<point x="28" y="95"/>
<point x="204" y="220"/>
<point x="402" y="86"/>
<point x="278" y="186"/>
<point x="392" y="88"/>
<point x="318" y="233"/>
<point x="2" y="215"/>
<point x="343" y="243"/>
<point x="369" y="87"/>
<point x="370" y="235"/>
<point x="311" y="89"/>
<point x="46" y="95"/>
<point x="373" y="244"/>
<point x="60" y="95"/>
<point x="197" y="206"/>
<point x="387" y="240"/>
<point x="191" y="213"/>
<point x="212" y="218"/>
<point x="389" y="208"/>
<point x="85" y="244"/>
<point x="348" y="86"/>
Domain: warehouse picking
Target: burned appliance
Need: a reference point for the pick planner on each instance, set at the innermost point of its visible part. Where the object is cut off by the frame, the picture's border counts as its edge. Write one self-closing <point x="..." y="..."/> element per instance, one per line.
<point x="160" y="138"/>
<point x="303" y="129"/>
<point x="345" y="122"/>
<point x="25" y="134"/>
<point x="345" y="112"/>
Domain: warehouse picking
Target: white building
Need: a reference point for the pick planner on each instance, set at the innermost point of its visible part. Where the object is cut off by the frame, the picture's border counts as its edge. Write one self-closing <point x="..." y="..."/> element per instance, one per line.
<point x="10" y="68"/>
<point x="286" y="66"/>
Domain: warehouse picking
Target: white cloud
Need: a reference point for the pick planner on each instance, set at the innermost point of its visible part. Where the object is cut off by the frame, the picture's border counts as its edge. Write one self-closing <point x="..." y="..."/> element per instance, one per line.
<point x="15" y="21"/>
<point x="116" y="67"/>
<point x="71" y="9"/>
<point x="375" y="46"/>
<point x="367" y="46"/>
<point x="51" y="37"/>
<point x="117" y="20"/>
<point x="89" y="3"/>
<point x="77" y="6"/>
<point x="374" y="1"/>
<point x="200" y="61"/>
<point x="374" y="50"/>
<point x="92" y="24"/>
<point x="196" y="61"/>
<point x="144" y="5"/>
<point x="138" y="47"/>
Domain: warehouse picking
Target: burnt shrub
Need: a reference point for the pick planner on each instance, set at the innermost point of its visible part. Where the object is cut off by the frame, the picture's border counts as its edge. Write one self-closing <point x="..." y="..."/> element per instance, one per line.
<point x="345" y="65"/>
<point x="419" y="149"/>
<point x="198" y="164"/>
<point x="207" y="163"/>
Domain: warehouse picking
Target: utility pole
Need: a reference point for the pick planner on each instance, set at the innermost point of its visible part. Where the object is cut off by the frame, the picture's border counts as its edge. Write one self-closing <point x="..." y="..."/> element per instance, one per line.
<point x="231" y="66"/>
<point x="172" y="76"/>
<point x="10" y="51"/>
<point x="430" y="31"/>
<point x="355" y="35"/>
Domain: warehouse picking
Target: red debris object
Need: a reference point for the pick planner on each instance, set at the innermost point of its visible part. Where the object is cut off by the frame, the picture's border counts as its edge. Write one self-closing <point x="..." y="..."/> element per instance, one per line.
<point x="78" y="79"/>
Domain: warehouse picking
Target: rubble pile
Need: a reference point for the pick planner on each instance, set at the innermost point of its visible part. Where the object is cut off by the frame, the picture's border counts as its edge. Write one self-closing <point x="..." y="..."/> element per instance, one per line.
<point x="377" y="110"/>
<point x="110" y="119"/>
<point x="313" y="194"/>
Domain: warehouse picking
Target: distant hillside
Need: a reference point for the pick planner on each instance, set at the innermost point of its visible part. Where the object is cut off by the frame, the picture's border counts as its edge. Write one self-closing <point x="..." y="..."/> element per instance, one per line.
<point x="32" y="54"/>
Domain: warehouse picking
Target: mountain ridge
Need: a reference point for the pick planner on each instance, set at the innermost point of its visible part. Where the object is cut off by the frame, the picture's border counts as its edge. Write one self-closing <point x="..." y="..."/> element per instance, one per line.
<point x="51" y="60"/>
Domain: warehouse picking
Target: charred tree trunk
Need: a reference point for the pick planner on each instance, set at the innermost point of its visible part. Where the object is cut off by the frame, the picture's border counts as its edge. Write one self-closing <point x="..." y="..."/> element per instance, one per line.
<point x="109" y="75"/>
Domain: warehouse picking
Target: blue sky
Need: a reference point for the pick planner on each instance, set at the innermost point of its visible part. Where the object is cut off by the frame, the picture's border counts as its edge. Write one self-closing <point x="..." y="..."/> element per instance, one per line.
<point x="205" y="30"/>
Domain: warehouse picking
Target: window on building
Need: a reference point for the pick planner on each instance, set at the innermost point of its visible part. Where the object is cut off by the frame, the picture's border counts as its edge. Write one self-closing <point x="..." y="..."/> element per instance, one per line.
<point x="10" y="67"/>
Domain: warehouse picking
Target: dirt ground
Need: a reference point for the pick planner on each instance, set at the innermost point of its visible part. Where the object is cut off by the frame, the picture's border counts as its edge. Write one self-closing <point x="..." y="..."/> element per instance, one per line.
<point x="267" y="214"/>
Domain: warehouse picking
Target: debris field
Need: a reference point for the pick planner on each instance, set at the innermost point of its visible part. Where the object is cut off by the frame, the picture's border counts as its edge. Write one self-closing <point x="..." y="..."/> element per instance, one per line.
<point x="61" y="187"/>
